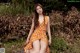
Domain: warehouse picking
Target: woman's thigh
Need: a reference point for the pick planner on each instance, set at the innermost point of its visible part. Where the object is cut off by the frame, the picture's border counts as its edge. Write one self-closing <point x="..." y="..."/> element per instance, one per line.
<point x="36" y="45"/>
<point x="43" y="45"/>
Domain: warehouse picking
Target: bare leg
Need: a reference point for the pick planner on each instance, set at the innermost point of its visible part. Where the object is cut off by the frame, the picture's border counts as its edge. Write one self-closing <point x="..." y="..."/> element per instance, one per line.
<point x="36" y="47"/>
<point x="28" y="51"/>
<point x="43" y="46"/>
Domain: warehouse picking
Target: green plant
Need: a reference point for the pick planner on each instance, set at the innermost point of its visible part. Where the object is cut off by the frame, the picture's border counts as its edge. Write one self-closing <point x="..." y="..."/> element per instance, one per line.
<point x="59" y="44"/>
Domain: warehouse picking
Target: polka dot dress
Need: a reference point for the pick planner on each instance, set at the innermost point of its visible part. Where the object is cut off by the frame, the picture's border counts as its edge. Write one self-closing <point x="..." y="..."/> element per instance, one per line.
<point x="39" y="34"/>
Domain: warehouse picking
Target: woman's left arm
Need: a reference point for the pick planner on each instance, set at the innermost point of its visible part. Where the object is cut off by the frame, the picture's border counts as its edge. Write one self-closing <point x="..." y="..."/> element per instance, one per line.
<point x="48" y="30"/>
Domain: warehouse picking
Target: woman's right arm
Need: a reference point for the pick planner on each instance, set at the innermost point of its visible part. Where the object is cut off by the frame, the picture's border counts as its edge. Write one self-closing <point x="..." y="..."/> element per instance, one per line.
<point x="32" y="29"/>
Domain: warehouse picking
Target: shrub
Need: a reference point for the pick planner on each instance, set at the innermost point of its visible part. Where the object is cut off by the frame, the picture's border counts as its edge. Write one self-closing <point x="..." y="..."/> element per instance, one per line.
<point x="59" y="44"/>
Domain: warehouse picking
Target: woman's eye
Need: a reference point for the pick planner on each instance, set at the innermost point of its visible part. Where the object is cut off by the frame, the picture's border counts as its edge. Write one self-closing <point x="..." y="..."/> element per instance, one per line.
<point x="36" y="9"/>
<point x="39" y="8"/>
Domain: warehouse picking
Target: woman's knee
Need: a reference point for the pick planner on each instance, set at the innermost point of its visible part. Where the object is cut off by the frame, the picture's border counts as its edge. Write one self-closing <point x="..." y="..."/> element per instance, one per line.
<point x="36" y="51"/>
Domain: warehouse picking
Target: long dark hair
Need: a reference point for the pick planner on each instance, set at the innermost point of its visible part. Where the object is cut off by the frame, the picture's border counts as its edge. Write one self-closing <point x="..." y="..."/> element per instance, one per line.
<point x="36" y="16"/>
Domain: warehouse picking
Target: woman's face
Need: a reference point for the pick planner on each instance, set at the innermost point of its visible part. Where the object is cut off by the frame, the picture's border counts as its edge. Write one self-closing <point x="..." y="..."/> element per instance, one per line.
<point x="39" y="10"/>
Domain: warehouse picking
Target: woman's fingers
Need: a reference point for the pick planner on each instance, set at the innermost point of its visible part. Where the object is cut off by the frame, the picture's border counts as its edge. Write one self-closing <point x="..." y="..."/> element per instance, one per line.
<point x="49" y="42"/>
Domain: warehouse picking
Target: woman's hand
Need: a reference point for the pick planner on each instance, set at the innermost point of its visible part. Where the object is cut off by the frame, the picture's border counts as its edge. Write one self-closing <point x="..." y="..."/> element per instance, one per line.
<point x="26" y="42"/>
<point x="49" y="41"/>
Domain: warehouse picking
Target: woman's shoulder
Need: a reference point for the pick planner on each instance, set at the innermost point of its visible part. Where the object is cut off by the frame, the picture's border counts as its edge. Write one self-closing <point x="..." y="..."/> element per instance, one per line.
<point x="47" y="17"/>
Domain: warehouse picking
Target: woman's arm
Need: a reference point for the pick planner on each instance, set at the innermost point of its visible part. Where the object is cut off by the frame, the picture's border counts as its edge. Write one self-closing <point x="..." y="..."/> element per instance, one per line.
<point x="32" y="29"/>
<point x="48" y="29"/>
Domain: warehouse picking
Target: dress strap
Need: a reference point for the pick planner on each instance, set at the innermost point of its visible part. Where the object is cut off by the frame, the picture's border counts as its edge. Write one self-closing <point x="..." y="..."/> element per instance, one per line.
<point x="46" y="19"/>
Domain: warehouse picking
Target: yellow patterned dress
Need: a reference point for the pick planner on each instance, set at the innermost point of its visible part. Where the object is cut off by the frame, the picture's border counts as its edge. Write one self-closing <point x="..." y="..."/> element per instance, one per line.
<point x="39" y="33"/>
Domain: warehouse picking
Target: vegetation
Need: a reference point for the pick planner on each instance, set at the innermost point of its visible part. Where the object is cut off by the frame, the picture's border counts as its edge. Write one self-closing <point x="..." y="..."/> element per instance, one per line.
<point x="15" y="23"/>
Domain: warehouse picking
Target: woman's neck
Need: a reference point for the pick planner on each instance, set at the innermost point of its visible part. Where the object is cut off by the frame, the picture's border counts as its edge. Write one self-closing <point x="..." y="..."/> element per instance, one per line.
<point x="41" y="16"/>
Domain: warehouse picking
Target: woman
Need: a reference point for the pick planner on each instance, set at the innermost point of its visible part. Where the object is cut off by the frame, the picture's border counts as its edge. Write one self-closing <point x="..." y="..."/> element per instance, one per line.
<point x="37" y="41"/>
